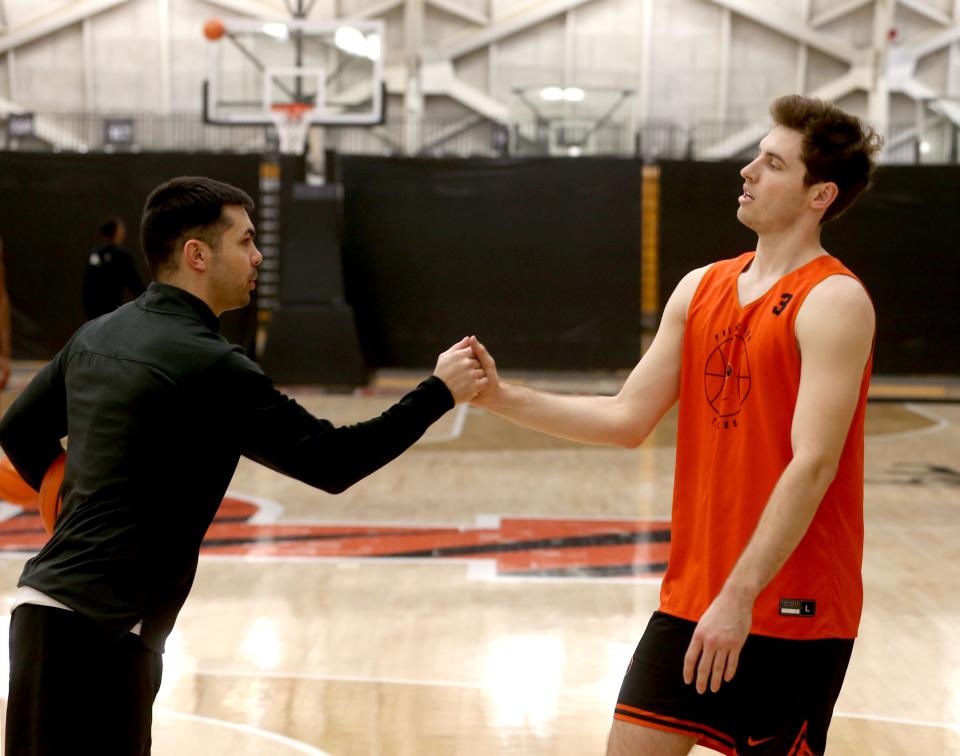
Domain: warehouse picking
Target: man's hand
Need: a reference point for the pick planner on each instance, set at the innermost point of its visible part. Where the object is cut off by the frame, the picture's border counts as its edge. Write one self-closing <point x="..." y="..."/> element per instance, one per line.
<point x="716" y="643"/>
<point x="492" y="388"/>
<point x="459" y="369"/>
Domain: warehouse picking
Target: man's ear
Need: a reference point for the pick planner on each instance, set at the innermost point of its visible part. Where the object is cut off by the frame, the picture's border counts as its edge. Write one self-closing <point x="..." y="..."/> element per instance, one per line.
<point x="196" y="255"/>
<point x="824" y="195"/>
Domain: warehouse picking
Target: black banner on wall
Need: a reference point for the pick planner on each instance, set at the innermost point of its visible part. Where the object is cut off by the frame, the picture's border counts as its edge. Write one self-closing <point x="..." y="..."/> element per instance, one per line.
<point x="900" y="239"/>
<point x="50" y="208"/>
<point x="540" y="258"/>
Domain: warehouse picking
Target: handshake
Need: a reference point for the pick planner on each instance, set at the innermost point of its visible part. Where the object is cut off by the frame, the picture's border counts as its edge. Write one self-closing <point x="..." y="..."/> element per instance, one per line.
<point x="468" y="371"/>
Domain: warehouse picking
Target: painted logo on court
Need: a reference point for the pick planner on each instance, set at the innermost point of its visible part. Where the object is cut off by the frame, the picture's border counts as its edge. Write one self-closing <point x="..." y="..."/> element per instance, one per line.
<point x="503" y="547"/>
<point x="726" y="377"/>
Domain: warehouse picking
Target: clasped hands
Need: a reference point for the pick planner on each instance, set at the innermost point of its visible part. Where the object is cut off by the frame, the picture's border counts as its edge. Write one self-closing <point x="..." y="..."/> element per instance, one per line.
<point x="468" y="371"/>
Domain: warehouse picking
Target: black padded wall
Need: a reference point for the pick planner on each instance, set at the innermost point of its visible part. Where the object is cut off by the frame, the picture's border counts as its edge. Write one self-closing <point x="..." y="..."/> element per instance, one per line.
<point x="50" y="208"/>
<point x="540" y="258"/>
<point x="901" y="239"/>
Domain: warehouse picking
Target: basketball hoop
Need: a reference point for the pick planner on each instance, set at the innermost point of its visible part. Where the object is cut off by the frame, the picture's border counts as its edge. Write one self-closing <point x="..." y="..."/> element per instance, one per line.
<point x="292" y="121"/>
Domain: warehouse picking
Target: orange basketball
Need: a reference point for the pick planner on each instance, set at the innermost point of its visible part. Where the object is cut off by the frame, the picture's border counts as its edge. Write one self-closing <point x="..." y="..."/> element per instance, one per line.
<point x="213" y="29"/>
<point x="15" y="489"/>
<point x="50" y="498"/>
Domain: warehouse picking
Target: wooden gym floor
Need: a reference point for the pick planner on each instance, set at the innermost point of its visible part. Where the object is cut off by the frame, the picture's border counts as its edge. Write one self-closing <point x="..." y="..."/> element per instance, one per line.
<point x="483" y="594"/>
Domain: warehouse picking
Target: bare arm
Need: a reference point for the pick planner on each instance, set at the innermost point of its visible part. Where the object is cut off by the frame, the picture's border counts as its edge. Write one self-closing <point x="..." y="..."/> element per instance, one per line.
<point x="835" y="330"/>
<point x="623" y="420"/>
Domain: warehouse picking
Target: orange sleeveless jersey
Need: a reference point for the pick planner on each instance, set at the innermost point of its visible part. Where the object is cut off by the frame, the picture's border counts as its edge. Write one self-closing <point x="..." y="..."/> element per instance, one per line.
<point x="740" y="376"/>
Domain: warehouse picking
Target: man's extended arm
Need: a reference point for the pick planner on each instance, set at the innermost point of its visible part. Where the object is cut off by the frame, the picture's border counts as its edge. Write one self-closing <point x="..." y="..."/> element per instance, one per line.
<point x="834" y="331"/>
<point x="622" y="420"/>
<point x="279" y="433"/>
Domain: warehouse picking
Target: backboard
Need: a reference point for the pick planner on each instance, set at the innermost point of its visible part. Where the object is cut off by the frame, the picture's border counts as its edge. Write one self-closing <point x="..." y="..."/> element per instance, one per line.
<point x="335" y="67"/>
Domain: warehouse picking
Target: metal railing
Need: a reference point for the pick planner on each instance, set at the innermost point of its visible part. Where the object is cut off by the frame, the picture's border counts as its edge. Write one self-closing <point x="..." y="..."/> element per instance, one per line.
<point x="471" y="136"/>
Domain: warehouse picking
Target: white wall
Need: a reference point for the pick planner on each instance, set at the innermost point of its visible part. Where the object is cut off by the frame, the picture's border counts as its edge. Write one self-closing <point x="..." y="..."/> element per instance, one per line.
<point x="598" y="43"/>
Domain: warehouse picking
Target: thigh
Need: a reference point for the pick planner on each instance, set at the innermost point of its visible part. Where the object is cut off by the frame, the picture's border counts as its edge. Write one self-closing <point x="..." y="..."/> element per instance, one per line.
<point x="629" y="740"/>
<point x="654" y="695"/>
<point x="787" y="691"/>
<point x="73" y="690"/>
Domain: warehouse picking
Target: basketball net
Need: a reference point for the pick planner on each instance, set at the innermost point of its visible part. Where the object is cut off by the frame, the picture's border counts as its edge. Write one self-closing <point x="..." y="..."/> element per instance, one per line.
<point x="292" y="121"/>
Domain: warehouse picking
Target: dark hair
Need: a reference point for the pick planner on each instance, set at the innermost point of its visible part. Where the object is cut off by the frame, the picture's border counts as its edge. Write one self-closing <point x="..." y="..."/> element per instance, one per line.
<point x="109" y="226"/>
<point x="183" y="208"/>
<point x="837" y="147"/>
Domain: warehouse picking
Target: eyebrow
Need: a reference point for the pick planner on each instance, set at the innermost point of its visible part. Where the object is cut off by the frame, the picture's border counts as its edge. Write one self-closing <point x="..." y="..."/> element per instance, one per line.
<point x="772" y="154"/>
<point x="250" y="231"/>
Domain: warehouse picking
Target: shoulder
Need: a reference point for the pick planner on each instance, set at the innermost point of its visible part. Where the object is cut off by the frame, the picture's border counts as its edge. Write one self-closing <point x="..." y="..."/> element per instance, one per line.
<point x="689" y="284"/>
<point x="233" y="364"/>
<point x="838" y="306"/>
<point x="841" y="294"/>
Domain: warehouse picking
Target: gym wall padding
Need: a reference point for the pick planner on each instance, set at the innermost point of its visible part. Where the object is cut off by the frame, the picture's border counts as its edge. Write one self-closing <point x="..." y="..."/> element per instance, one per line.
<point x="902" y="239"/>
<point x="538" y="257"/>
<point x="51" y="206"/>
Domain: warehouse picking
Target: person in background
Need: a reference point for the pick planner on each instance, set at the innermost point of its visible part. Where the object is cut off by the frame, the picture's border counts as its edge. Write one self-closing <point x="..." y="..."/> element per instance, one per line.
<point x="110" y="271"/>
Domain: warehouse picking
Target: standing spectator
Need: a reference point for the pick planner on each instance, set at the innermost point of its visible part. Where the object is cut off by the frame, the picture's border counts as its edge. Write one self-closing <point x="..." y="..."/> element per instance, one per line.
<point x="110" y="269"/>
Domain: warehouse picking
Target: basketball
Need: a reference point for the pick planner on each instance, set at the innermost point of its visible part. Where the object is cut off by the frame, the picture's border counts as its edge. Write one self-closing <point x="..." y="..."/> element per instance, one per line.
<point x="13" y="488"/>
<point x="50" y="499"/>
<point x="213" y="29"/>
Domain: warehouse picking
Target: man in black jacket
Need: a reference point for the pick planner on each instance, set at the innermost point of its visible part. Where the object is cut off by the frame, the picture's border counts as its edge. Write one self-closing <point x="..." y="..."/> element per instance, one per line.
<point x="159" y="408"/>
<point x="110" y="270"/>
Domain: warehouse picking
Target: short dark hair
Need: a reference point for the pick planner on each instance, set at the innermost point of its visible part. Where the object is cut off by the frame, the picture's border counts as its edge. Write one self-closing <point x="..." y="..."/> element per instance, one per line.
<point x="182" y="208"/>
<point x="109" y="226"/>
<point x="837" y="147"/>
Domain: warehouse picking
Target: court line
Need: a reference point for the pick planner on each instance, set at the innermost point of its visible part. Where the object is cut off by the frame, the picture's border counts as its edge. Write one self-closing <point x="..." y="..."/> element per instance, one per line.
<point x="476" y="569"/>
<point x="297" y="745"/>
<point x="939" y="424"/>
<point x="955" y="726"/>
<point x="336" y="678"/>
<point x="459" y="421"/>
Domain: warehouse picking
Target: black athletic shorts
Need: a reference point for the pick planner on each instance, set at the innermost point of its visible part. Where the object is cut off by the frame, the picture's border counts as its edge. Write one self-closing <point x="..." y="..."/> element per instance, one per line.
<point x="779" y="702"/>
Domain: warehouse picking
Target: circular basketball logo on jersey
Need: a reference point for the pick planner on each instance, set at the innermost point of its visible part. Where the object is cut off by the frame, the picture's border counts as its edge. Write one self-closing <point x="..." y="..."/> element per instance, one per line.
<point x="726" y="377"/>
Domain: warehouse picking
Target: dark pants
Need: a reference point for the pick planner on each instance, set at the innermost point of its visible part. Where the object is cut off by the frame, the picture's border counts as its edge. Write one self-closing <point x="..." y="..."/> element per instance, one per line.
<point x="73" y="690"/>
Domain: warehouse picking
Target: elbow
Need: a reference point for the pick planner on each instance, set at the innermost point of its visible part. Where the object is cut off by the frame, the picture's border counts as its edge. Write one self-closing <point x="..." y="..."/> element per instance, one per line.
<point x="335" y="487"/>
<point x="630" y="435"/>
<point x="631" y="440"/>
<point x="821" y="469"/>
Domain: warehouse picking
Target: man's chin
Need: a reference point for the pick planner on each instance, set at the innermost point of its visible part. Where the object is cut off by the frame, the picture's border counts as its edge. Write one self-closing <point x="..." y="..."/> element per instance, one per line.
<point x="239" y="305"/>
<point x="744" y="218"/>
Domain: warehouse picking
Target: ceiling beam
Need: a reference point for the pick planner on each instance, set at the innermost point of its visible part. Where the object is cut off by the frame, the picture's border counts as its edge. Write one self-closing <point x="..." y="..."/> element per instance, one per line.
<point x="533" y="14"/>
<point x="837" y="11"/>
<point x="251" y="8"/>
<point x="438" y="78"/>
<point x="455" y="9"/>
<point x="930" y="43"/>
<point x="378" y="9"/>
<point x="791" y="25"/>
<point x="50" y="23"/>
<point x="856" y="79"/>
<point x="921" y="8"/>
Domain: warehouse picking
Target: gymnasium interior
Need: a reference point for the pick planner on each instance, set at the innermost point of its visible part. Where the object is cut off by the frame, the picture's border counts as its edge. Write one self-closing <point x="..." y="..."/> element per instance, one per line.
<point x="542" y="174"/>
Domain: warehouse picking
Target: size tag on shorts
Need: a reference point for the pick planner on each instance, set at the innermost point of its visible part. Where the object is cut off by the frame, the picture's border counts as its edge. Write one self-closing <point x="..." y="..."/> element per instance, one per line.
<point x="798" y="607"/>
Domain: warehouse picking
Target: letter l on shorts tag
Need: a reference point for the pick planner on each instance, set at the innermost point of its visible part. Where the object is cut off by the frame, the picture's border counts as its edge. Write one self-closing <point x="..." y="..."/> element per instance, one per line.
<point x="798" y="607"/>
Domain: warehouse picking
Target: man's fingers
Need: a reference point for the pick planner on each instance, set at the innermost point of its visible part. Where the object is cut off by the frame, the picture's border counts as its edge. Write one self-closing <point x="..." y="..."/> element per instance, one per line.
<point x="704" y="668"/>
<point x="482" y="354"/>
<point x="716" y="676"/>
<point x="690" y="660"/>
<point x="732" y="664"/>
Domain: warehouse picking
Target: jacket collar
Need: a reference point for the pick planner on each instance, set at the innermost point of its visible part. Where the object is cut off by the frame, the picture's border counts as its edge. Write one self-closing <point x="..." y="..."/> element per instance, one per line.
<point x="172" y="300"/>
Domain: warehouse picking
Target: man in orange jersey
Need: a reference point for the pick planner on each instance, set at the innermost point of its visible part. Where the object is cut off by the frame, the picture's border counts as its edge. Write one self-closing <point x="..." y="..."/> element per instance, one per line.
<point x="769" y="356"/>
